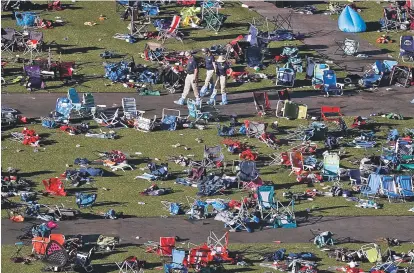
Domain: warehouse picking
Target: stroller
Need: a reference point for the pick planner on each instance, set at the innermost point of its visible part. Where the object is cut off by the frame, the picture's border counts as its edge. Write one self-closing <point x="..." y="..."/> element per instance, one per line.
<point x="106" y="243"/>
<point x="35" y="80"/>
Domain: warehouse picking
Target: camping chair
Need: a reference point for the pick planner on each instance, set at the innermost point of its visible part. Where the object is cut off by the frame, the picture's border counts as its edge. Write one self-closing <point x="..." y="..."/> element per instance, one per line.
<point x="163" y="248"/>
<point x="54" y="186"/>
<point x="356" y="178"/>
<point x="138" y="27"/>
<point x="373" y="76"/>
<point x="130" y="265"/>
<point x="262" y="103"/>
<point x="171" y="32"/>
<point x="247" y="172"/>
<point x="330" y="86"/>
<point x="144" y="124"/>
<point x="35" y="80"/>
<point x="330" y="170"/>
<point x="154" y="52"/>
<point x="195" y="112"/>
<point x="74" y="99"/>
<point x="371" y="252"/>
<point x="26" y="19"/>
<point x="130" y="108"/>
<point x="266" y="203"/>
<point x="373" y="186"/>
<point x="388" y="188"/>
<point x="8" y="40"/>
<point x="391" y="20"/>
<point x="34" y="43"/>
<point x="285" y="76"/>
<point x="236" y="221"/>
<point x="283" y="97"/>
<point x="106" y="243"/>
<point x="331" y="114"/>
<point x="318" y="73"/>
<point x="407" y="48"/>
<point x="347" y="47"/>
<point x="405" y="186"/>
<point x="56" y="256"/>
<point x="213" y="157"/>
<point x="258" y="130"/>
<point x="296" y="160"/>
<point x="293" y="110"/>
<point x="169" y="119"/>
<point x="83" y="260"/>
<point x="402" y="75"/>
<point x="177" y="264"/>
<point x="84" y="200"/>
<point x="322" y="239"/>
<point x="283" y="22"/>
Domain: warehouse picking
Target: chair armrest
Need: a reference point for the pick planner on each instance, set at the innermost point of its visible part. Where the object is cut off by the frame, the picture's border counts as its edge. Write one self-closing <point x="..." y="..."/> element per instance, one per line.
<point x="340" y="85"/>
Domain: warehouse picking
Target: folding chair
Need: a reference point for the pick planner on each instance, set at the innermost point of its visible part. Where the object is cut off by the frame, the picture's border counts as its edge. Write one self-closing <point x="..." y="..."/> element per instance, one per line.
<point x="56" y="256"/>
<point x="213" y="157"/>
<point x="74" y="100"/>
<point x="266" y="204"/>
<point x="296" y="160"/>
<point x="130" y="108"/>
<point x="262" y="103"/>
<point x="130" y="265"/>
<point x="347" y="47"/>
<point x="138" y="27"/>
<point x="388" y="188"/>
<point x="163" y="248"/>
<point x="88" y="102"/>
<point x="34" y="43"/>
<point x="373" y="186"/>
<point x="169" y="119"/>
<point x="407" y="48"/>
<point x="402" y="75"/>
<point x="26" y="19"/>
<point x="144" y="124"/>
<point x="405" y="186"/>
<point x="236" y="221"/>
<point x="177" y="264"/>
<point x="330" y="170"/>
<point x="330" y="85"/>
<point x="283" y="97"/>
<point x="283" y="22"/>
<point x="214" y="21"/>
<point x="318" y="72"/>
<point x="35" y="80"/>
<point x="196" y="112"/>
<point x="247" y="172"/>
<point x="8" y="40"/>
<point x="83" y="260"/>
<point x="392" y="19"/>
<point x="371" y="252"/>
<point x="293" y="110"/>
<point x="332" y="115"/>
<point x="171" y="32"/>
<point x="209" y="7"/>
<point x="285" y="76"/>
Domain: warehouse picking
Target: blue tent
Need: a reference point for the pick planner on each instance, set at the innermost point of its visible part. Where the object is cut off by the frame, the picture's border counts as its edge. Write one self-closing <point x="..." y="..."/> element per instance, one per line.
<point x="351" y="21"/>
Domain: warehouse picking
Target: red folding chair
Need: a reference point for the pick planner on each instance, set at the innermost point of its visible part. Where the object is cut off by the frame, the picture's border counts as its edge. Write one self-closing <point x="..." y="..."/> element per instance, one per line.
<point x="54" y="186"/>
<point x="167" y="244"/>
<point x="331" y="113"/>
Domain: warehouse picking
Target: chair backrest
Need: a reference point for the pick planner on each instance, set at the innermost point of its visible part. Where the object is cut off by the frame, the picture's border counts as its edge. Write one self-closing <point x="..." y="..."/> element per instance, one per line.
<point x="60" y="238"/>
<point x="331" y="163"/>
<point x="291" y="110"/>
<point x="374" y="181"/>
<point x="252" y="37"/>
<point x="192" y="108"/>
<point x="335" y="110"/>
<point x="36" y="35"/>
<point x="407" y="43"/>
<point x="213" y="153"/>
<point x="63" y="106"/>
<point x="355" y="174"/>
<point x="405" y="182"/>
<point x="388" y="183"/>
<point x="88" y="100"/>
<point x="167" y="245"/>
<point x="262" y="99"/>
<point x="174" y="24"/>
<point x="283" y="94"/>
<point x="329" y="77"/>
<point x="178" y="256"/>
<point x="8" y="34"/>
<point x="129" y="105"/>
<point x="319" y="70"/>
<point x="73" y="96"/>
<point x="33" y="71"/>
<point x="255" y="128"/>
<point x="248" y="170"/>
<point x="265" y="195"/>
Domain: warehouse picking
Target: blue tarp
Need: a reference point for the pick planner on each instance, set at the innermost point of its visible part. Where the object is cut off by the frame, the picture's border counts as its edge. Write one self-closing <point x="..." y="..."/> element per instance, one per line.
<point x="351" y="21"/>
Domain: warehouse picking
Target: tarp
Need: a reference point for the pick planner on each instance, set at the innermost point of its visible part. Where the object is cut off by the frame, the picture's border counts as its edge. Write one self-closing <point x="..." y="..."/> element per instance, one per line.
<point x="351" y="21"/>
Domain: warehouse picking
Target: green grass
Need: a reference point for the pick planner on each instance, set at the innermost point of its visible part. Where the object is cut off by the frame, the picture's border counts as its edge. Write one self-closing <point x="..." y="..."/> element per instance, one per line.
<point x="51" y="161"/>
<point x="83" y="44"/>
<point x="252" y="254"/>
<point x="372" y="12"/>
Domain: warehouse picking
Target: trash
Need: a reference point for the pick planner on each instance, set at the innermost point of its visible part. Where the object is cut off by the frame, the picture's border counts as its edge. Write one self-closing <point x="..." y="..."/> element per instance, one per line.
<point x="137" y="237"/>
<point x="138" y="153"/>
<point x="199" y="140"/>
<point x="245" y="6"/>
<point x="141" y="203"/>
<point x="18" y="150"/>
<point x="156" y="159"/>
<point x="89" y="24"/>
<point x="176" y="145"/>
<point x="105" y="189"/>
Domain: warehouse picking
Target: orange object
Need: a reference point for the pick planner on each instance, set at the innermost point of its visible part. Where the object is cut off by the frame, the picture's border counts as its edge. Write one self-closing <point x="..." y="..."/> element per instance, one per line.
<point x="17" y="218"/>
<point x="54" y="186"/>
<point x="39" y="245"/>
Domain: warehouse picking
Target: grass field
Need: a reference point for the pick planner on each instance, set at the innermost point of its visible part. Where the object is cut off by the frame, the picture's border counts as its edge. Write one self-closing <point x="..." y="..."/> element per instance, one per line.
<point x="83" y="44"/>
<point x="124" y="192"/>
<point x="252" y="254"/>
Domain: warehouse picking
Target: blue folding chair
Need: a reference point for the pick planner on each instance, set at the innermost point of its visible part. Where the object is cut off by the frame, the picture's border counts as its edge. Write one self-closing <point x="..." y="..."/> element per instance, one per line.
<point x="177" y="264"/>
<point x="26" y="19"/>
<point x="63" y="109"/>
<point x="389" y="188"/>
<point x="318" y="71"/>
<point x="405" y="185"/>
<point x="374" y="184"/>
<point x="74" y="99"/>
<point x="285" y="76"/>
<point x="330" y="86"/>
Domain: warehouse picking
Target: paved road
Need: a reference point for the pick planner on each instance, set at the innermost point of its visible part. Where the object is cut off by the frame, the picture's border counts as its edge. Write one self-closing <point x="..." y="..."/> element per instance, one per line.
<point x="357" y="229"/>
<point x="365" y="103"/>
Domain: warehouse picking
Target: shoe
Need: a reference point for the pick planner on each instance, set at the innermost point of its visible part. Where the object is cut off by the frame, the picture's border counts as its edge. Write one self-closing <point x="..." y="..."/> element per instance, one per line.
<point x="181" y="101"/>
<point x="223" y="99"/>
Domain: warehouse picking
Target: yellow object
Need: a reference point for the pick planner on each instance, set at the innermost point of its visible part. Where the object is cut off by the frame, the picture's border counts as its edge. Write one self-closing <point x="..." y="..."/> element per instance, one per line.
<point x="303" y="111"/>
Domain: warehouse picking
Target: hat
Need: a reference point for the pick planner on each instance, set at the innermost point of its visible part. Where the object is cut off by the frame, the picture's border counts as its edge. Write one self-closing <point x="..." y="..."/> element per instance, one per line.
<point x="187" y="54"/>
<point x="220" y="59"/>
